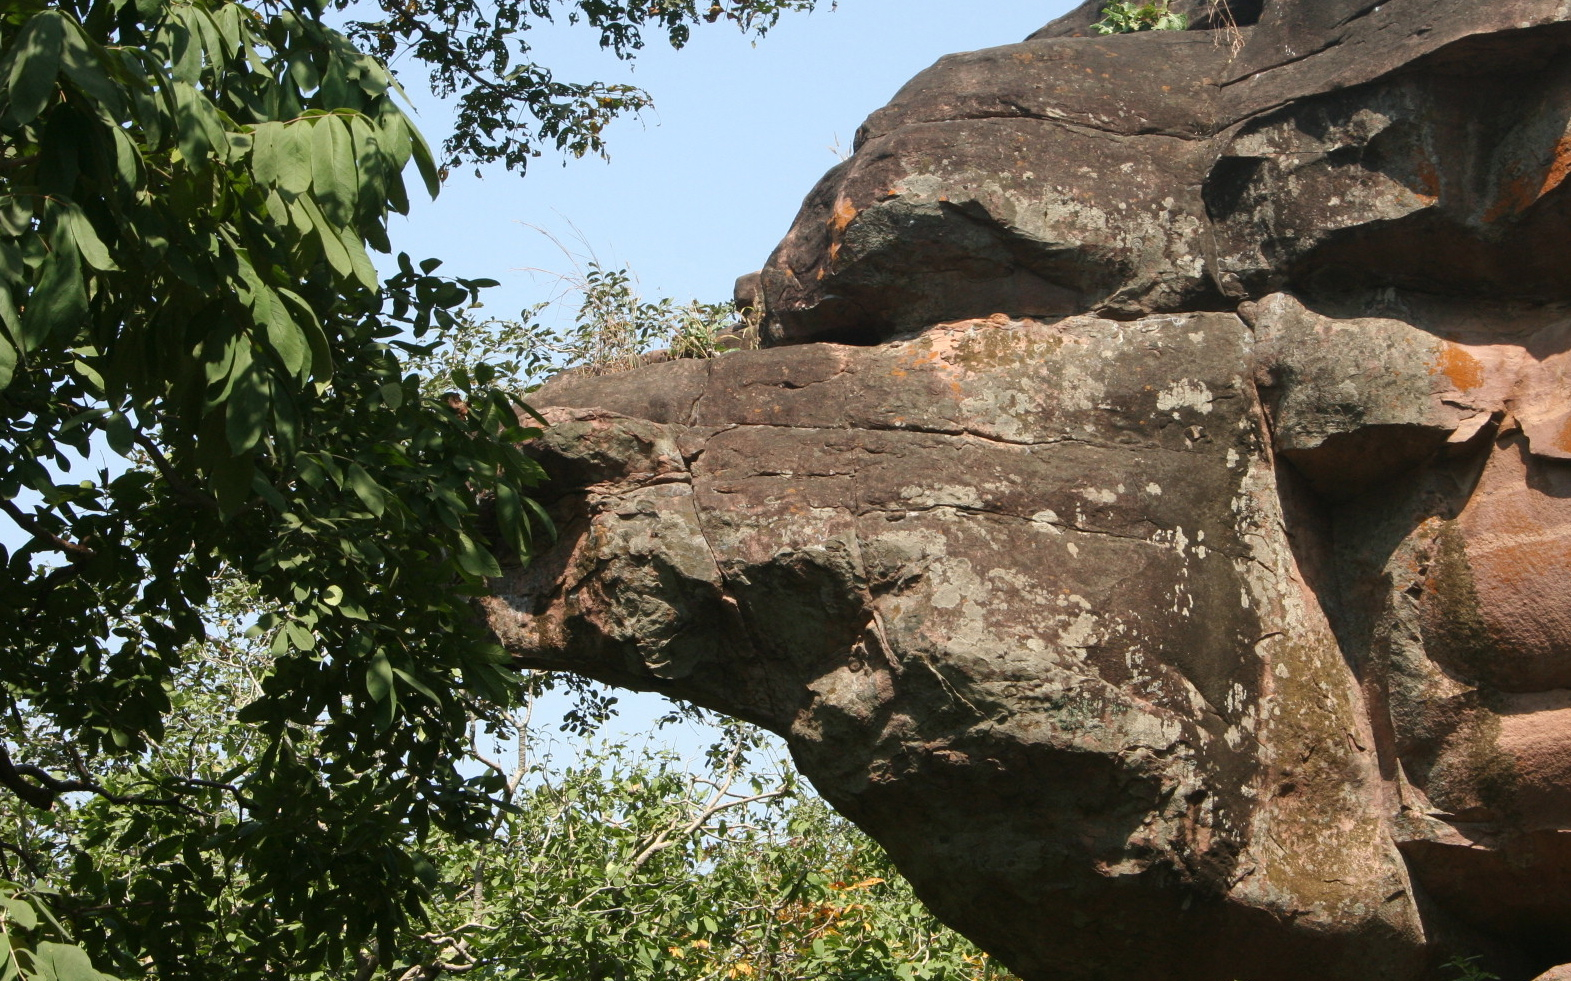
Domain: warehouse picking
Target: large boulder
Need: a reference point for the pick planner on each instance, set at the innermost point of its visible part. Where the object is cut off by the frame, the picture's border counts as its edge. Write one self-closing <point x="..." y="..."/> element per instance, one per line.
<point x="1347" y="144"/>
<point x="1172" y="565"/>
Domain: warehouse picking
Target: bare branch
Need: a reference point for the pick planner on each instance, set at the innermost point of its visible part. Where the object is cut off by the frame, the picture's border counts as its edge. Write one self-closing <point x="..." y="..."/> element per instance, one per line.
<point x="721" y="800"/>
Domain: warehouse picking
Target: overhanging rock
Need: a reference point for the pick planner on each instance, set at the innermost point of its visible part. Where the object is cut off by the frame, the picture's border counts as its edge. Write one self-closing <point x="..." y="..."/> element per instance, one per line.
<point x="1175" y="572"/>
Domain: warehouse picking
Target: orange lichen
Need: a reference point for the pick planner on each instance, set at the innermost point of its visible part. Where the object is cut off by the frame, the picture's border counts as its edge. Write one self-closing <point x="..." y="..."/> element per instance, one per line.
<point x="1428" y="180"/>
<point x="1522" y="190"/>
<point x="1559" y="167"/>
<point x="1516" y="194"/>
<point x="1465" y="371"/>
<point x="845" y="212"/>
<point x="1563" y="440"/>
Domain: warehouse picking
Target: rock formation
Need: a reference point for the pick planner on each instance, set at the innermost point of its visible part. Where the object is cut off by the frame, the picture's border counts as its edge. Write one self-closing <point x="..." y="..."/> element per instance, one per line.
<point x="1150" y="517"/>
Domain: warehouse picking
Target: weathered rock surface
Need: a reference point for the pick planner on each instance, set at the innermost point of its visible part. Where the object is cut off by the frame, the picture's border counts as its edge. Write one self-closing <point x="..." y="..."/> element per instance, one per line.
<point x="1347" y="144"/>
<point x="1175" y="575"/>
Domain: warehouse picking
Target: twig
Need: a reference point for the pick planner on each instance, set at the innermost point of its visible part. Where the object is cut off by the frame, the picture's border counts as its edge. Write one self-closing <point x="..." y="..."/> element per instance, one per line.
<point x="41" y="794"/>
<point x="366" y="966"/>
<point x="1222" y="11"/>
<point x="39" y="788"/>
<point x="170" y="475"/>
<point x="30" y="525"/>
<point x="717" y="803"/>
<point x="26" y="857"/>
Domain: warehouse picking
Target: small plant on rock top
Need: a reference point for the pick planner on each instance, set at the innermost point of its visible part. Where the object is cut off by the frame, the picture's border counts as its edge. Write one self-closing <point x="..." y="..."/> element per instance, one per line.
<point x="1130" y="16"/>
<point x="1467" y="969"/>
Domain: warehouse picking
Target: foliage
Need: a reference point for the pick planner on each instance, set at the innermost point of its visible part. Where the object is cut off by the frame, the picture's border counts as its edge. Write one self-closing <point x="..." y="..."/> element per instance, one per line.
<point x="1129" y="16"/>
<point x="626" y="867"/>
<point x="612" y="329"/>
<point x="26" y="954"/>
<point x="624" y="864"/>
<point x="202" y="379"/>
<point x="616" y="329"/>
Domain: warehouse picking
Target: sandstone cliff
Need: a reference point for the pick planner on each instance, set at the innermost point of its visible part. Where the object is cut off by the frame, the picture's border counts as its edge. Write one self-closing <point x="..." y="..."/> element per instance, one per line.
<point x="1151" y="516"/>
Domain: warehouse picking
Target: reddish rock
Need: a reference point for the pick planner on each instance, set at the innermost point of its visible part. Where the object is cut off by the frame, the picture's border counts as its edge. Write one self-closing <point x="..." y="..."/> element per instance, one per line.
<point x="1175" y="573"/>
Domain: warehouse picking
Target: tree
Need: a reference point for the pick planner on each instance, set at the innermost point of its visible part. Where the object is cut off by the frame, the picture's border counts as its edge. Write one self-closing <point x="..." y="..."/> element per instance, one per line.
<point x="621" y="864"/>
<point x="187" y="192"/>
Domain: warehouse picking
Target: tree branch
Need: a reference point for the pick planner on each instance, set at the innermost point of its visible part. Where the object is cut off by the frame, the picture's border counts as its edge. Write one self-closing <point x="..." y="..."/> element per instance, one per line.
<point x="25" y="856"/>
<point x="40" y="794"/>
<point x="717" y="803"/>
<point x="39" y="788"/>
<point x="171" y="476"/>
<point x="30" y="525"/>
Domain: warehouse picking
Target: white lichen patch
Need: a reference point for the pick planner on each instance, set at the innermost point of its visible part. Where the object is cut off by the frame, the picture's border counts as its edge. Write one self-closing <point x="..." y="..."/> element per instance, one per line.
<point x="1047" y="521"/>
<point x="1080" y="633"/>
<point x="942" y="495"/>
<point x="1185" y="394"/>
<point x="1098" y="495"/>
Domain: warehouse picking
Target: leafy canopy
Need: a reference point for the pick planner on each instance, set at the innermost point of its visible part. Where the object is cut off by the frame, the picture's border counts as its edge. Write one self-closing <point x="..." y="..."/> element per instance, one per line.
<point x="202" y="375"/>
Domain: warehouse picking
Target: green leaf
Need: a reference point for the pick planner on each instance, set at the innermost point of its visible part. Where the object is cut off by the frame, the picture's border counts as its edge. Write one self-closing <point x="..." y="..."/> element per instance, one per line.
<point x="63" y="962"/>
<point x="128" y="162"/>
<point x="286" y="338"/>
<point x="368" y="490"/>
<point x="88" y="243"/>
<point x="195" y="140"/>
<point x="359" y="262"/>
<point x="475" y="560"/>
<point x="321" y="352"/>
<point x="292" y="157"/>
<point x="7" y="361"/>
<point x="329" y="236"/>
<point x="425" y="162"/>
<point x="266" y="152"/>
<point x="249" y="406"/>
<point x="379" y="677"/>
<point x="83" y="66"/>
<point x="117" y="429"/>
<point x="334" y="175"/>
<point x="35" y="66"/>
<point x="302" y="70"/>
<point x="417" y="685"/>
<point x="510" y="516"/>
<point x="59" y="301"/>
<point x="20" y="912"/>
<point x="16" y="218"/>
<point x="230" y="482"/>
<point x="300" y="637"/>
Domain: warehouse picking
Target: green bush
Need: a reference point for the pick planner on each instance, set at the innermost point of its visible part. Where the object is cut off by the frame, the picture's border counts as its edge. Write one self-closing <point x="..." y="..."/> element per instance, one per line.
<point x="1129" y="16"/>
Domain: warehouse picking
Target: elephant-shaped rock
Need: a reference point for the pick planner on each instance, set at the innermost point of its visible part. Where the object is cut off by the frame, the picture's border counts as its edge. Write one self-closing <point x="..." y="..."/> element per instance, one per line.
<point x="1150" y="514"/>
